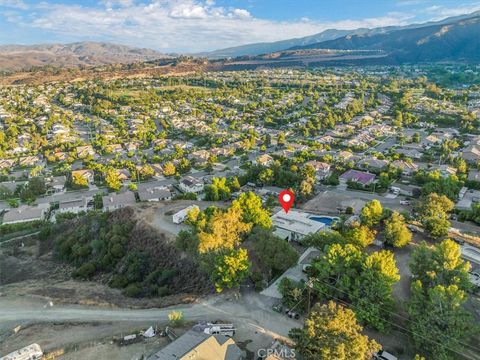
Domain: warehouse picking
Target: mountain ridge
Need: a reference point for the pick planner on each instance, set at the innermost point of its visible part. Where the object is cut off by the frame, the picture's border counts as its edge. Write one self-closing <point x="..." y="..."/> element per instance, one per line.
<point x="454" y="40"/>
<point x="261" y="48"/>
<point x="85" y="53"/>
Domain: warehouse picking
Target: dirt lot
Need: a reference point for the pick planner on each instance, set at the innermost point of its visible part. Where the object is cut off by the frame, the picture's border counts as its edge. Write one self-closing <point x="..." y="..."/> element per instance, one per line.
<point x="159" y="216"/>
<point x="87" y="340"/>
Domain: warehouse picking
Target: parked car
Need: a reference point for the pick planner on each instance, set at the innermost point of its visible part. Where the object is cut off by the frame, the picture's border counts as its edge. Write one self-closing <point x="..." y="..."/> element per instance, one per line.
<point x="277" y="307"/>
<point x="412" y="228"/>
<point x="459" y="241"/>
<point x="292" y="314"/>
<point x="405" y="202"/>
<point x="384" y="355"/>
<point x="306" y="267"/>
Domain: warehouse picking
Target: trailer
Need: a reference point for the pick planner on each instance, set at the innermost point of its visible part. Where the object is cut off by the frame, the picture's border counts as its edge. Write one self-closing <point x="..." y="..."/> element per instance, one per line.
<point x="180" y="216"/>
<point x="220" y="329"/>
<point x="30" y="352"/>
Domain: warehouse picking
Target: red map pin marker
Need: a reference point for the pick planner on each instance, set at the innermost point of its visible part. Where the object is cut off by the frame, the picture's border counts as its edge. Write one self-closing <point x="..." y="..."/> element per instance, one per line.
<point x="286" y="199"/>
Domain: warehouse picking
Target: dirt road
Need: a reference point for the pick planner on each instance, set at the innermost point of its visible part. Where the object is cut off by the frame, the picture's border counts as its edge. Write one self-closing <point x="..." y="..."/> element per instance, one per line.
<point x="251" y="314"/>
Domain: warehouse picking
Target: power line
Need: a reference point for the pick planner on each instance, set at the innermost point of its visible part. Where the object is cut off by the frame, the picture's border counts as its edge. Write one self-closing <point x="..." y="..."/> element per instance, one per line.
<point x="409" y="331"/>
<point x="470" y="347"/>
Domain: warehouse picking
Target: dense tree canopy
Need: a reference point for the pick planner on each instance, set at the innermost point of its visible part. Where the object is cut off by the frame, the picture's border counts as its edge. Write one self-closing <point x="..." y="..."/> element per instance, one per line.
<point x="347" y="273"/>
<point x="371" y="213"/>
<point x="330" y="332"/>
<point x="396" y="232"/>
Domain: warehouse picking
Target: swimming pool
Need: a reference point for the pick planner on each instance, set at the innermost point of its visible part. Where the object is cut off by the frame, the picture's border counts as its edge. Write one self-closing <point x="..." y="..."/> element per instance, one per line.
<point x="327" y="220"/>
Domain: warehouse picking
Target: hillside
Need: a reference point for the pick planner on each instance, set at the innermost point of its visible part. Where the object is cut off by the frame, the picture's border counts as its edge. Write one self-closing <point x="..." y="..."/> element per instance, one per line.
<point x="454" y="41"/>
<point x="24" y="57"/>
<point x="270" y="47"/>
<point x="312" y="41"/>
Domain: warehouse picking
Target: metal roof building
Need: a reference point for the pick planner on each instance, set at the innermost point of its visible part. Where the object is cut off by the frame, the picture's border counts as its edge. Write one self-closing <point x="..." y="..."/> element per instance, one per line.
<point x="200" y="346"/>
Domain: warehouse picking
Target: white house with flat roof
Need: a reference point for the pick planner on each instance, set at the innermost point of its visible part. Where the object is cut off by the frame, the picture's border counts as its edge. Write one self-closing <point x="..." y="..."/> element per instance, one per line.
<point x="114" y="201"/>
<point x="24" y="214"/>
<point x="294" y="225"/>
<point x="72" y="205"/>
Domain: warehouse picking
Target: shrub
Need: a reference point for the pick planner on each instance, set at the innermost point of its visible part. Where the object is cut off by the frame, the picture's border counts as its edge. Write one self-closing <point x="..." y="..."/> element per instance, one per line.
<point x="133" y="290"/>
<point x="175" y="317"/>
<point x="85" y="271"/>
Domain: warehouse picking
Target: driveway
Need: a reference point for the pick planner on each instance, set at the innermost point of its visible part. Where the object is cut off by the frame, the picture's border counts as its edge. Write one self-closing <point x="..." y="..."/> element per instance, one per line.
<point x="294" y="273"/>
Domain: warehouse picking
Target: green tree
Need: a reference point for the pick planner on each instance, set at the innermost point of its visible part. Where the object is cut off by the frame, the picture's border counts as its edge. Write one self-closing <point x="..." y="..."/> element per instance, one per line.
<point x="230" y="269"/>
<point x="169" y="169"/>
<point x="252" y="210"/>
<point x="373" y="290"/>
<point x="346" y="272"/>
<point x="360" y="236"/>
<point x="112" y="180"/>
<point x="281" y="138"/>
<point x="79" y="180"/>
<point x="396" y="232"/>
<point x="440" y="325"/>
<point x="371" y="213"/>
<point x="223" y="231"/>
<point x="322" y="239"/>
<point x="218" y="190"/>
<point x="433" y="213"/>
<point x="440" y="265"/>
<point x="332" y="332"/>
<point x="274" y="253"/>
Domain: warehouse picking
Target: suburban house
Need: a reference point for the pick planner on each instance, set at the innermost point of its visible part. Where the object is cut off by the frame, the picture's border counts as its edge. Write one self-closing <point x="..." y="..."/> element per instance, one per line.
<point x="84" y="151"/>
<point x="114" y="148"/>
<point x="117" y="201"/>
<point x="24" y="214"/>
<point x="407" y="190"/>
<point x="295" y="225"/>
<point x="28" y="161"/>
<point x="123" y="174"/>
<point x="471" y="154"/>
<point x="157" y="169"/>
<point x="408" y="168"/>
<point x="58" y="183"/>
<point x="84" y="173"/>
<point x="322" y="169"/>
<point x="467" y="198"/>
<point x="411" y="153"/>
<point x="72" y="205"/>
<point x="60" y="156"/>
<point x="373" y="163"/>
<point x="360" y="177"/>
<point x="445" y="170"/>
<point x="474" y="175"/>
<point x="6" y="163"/>
<point x="200" y="156"/>
<point x="343" y="156"/>
<point x="264" y="160"/>
<point x="189" y="184"/>
<point x="198" y="345"/>
<point x="8" y="187"/>
<point x="154" y="194"/>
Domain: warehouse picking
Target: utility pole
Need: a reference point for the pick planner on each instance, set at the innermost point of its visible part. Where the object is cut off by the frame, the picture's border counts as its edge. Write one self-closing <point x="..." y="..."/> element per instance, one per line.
<point x="309" y="285"/>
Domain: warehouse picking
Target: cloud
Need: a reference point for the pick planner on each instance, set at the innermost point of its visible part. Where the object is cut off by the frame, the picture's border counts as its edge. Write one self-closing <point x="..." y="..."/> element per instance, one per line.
<point x="178" y="25"/>
<point x="440" y="12"/>
<point x="17" y="4"/>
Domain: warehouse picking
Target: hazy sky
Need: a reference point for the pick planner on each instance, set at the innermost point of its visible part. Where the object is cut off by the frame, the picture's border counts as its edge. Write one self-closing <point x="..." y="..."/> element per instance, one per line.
<point x="197" y="25"/>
